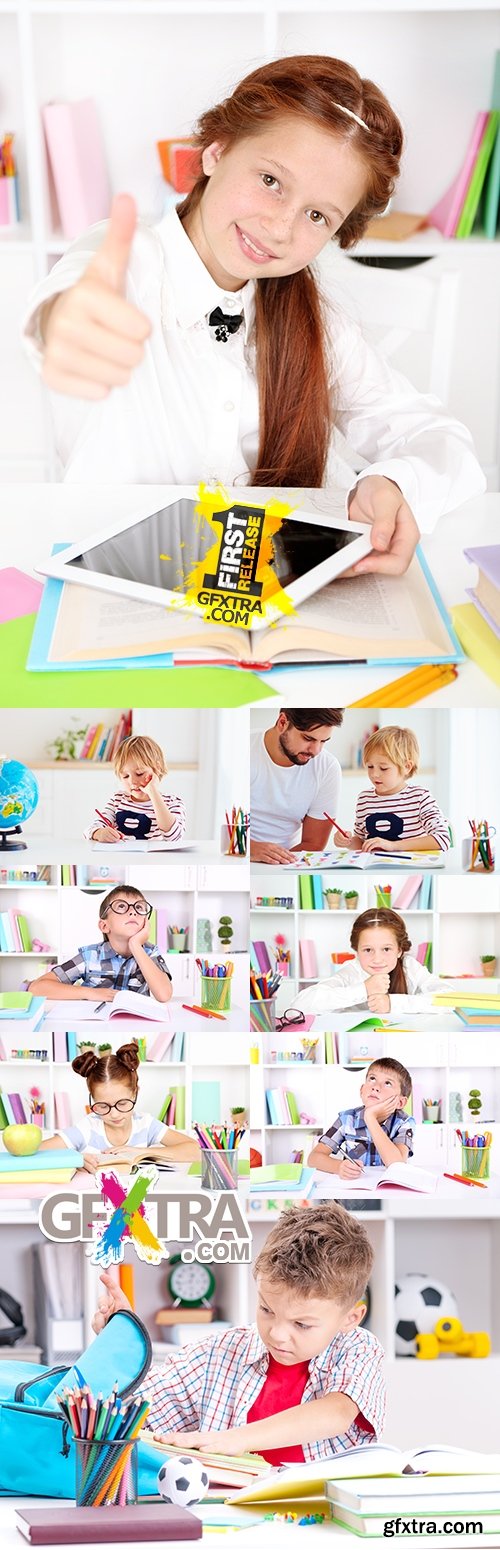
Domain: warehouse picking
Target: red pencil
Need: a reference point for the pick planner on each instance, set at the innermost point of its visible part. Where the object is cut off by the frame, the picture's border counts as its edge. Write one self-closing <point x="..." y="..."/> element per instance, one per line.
<point x="203" y="1011"/>
<point x="107" y="823"/>
<point x="459" y="1179"/>
<point x="336" y="825"/>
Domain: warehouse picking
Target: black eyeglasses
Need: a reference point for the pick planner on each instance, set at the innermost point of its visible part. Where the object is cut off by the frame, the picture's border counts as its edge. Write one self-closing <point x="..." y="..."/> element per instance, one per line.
<point x="290" y="1019"/>
<point x="123" y="907"/>
<point x="123" y="1106"/>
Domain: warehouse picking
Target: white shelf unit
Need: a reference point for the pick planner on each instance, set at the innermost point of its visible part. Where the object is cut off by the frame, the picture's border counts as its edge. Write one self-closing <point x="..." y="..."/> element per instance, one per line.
<point x="67" y="917"/>
<point x="441" y="1062"/>
<point x="421" y="1239"/>
<point x="49" y="51"/>
<point x="462" y="920"/>
<point x="206" y="1060"/>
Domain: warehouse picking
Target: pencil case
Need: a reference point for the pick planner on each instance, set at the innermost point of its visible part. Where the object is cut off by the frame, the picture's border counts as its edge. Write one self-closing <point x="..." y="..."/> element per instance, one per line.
<point x="37" y="1454"/>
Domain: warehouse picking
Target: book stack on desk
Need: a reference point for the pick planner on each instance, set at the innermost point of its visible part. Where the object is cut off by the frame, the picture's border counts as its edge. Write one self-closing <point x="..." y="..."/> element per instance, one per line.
<point x="477" y="623"/>
<point x="41" y="1169"/>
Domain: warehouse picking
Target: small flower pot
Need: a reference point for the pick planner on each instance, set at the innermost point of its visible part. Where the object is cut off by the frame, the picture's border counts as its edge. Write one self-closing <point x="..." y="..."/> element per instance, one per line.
<point x="351" y="901"/>
<point x="489" y="969"/>
<point x="333" y="900"/>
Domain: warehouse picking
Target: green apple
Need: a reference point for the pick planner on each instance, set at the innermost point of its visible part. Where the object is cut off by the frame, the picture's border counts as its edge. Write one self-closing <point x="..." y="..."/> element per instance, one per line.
<point x="22" y="1140"/>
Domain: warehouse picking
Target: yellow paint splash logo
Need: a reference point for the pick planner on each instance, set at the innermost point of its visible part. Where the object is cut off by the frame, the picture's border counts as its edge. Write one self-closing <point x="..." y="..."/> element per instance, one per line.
<point x="235" y="583"/>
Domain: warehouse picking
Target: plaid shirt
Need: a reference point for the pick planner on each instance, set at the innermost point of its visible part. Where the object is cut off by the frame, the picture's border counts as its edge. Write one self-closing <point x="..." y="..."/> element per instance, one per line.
<point x="100" y="965"/>
<point x="212" y="1385"/>
<point x="349" y="1130"/>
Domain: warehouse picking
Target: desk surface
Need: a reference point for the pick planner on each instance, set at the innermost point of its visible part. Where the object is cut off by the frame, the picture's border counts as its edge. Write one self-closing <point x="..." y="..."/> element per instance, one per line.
<point x="235" y="1021"/>
<point x="265" y="1536"/>
<point x="50" y="848"/>
<point x="34" y="517"/>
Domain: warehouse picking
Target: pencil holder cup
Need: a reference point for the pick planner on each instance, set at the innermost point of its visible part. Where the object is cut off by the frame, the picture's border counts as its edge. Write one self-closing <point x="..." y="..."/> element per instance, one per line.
<point x="106" y="1473"/>
<point x="219" y="1170"/>
<point x="431" y="1113"/>
<point x="263" y="1016"/>
<point x="216" y="993"/>
<point x="177" y="940"/>
<point x="476" y="1161"/>
<point x="480" y="862"/>
<point x="234" y="842"/>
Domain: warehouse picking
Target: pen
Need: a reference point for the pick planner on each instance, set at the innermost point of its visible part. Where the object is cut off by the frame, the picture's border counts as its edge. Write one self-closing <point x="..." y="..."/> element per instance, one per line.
<point x="99" y="1007"/>
<point x="336" y="825"/>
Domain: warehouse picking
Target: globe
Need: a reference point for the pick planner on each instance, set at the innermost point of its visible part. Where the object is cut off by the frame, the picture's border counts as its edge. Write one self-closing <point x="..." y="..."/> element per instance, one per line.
<point x="18" y="799"/>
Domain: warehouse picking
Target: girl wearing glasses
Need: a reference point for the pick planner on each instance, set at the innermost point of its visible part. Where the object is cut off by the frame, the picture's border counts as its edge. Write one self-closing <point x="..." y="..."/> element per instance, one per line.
<point x="124" y="960"/>
<point x="113" y="1124"/>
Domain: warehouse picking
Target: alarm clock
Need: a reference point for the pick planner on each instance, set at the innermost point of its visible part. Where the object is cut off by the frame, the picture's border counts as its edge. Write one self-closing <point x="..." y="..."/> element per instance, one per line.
<point x="190" y="1285"/>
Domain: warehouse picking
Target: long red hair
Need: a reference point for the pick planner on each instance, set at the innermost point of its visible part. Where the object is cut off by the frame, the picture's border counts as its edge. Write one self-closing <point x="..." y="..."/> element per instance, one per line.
<point x="296" y="410"/>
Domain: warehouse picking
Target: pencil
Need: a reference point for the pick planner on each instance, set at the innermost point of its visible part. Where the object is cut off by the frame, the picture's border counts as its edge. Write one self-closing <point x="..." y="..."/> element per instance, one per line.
<point x="203" y="1012"/>
<point x="414" y="686"/>
<point x="336" y="825"/>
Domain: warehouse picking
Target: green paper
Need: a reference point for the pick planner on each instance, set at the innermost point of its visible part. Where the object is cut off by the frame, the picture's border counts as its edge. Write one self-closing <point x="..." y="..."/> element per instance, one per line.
<point x="15" y="1000"/>
<point x="186" y="687"/>
<point x="368" y="1022"/>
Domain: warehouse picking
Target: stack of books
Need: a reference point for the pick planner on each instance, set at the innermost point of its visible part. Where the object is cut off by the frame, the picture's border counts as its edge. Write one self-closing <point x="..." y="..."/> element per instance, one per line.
<point x="282" y="1106"/>
<point x="20" y="1006"/>
<point x="477" y="623"/>
<point x="39" y="1171"/>
<point x="101" y="743"/>
<point x="470" y="1503"/>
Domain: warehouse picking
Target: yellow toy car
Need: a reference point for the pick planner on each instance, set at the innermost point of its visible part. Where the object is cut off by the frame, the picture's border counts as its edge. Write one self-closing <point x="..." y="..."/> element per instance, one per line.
<point x="450" y="1336"/>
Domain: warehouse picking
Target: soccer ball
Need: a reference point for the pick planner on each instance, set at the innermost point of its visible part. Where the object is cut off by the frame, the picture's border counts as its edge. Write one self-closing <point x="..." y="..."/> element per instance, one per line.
<point x="419" y="1301"/>
<point x="182" y="1480"/>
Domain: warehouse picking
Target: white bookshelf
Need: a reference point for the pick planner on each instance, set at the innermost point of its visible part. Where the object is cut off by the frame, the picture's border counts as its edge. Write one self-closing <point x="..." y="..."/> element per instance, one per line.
<point x="66" y="917"/>
<point x="425" y="1238"/>
<point x="49" y="50"/>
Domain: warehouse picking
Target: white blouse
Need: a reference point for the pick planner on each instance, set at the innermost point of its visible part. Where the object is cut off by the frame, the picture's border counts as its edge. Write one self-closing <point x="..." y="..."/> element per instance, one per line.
<point x="346" y="988"/>
<point x="190" y="411"/>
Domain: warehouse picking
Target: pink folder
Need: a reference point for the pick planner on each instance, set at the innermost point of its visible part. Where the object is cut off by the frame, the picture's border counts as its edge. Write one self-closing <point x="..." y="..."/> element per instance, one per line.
<point x="446" y="213"/>
<point x="76" y="153"/>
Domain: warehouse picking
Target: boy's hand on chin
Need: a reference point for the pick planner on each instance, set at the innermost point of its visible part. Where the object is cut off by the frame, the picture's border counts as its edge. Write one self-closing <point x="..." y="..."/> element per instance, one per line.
<point x="381" y="1111"/>
<point x="139" y="937"/>
<point x="394" y="534"/>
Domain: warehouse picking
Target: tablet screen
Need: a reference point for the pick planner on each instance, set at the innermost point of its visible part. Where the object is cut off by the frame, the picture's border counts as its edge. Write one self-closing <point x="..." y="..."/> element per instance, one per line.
<point x="163" y="549"/>
<point x="298" y="548"/>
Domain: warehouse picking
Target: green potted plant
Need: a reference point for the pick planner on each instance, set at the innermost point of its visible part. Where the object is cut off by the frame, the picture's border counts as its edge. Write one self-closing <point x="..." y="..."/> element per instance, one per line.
<point x="474" y="1102"/>
<point x="351" y="899"/>
<point x="333" y="897"/>
<point x="65" y="746"/>
<point x="84" y="1044"/>
<point x="238" y="1114"/>
<point x="225" y="931"/>
<point x="488" y="965"/>
<point x="104" y="1049"/>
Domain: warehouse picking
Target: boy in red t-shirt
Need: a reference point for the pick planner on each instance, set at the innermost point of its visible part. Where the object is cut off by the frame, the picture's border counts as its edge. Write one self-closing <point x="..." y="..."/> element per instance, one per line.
<point x="305" y="1381"/>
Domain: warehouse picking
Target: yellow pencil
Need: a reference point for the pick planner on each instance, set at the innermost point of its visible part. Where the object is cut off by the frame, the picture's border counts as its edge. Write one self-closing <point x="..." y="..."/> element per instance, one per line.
<point x="413" y="686"/>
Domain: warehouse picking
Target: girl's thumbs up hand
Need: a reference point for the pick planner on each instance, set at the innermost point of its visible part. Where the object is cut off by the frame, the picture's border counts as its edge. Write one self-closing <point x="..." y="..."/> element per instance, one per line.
<point x="94" y="338"/>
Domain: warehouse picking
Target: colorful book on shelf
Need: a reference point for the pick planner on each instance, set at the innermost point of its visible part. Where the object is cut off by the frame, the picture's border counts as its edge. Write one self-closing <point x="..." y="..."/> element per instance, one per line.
<point x="486" y="593"/>
<point x="62" y="1111"/>
<point x="479" y="641"/>
<point x="21" y="1116"/>
<point x="160" y="1044"/>
<point x="384" y="621"/>
<point x="308" y="959"/>
<point x="408" y="893"/>
<point x="445" y="215"/>
<point x="476" y="185"/>
<point x="317" y="891"/>
<point x="76" y="153"/>
<point x="491" y="201"/>
<point x="305" y="891"/>
<point x="71" y="1044"/>
<point x="262" y="957"/>
<point x="330" y="1048"/>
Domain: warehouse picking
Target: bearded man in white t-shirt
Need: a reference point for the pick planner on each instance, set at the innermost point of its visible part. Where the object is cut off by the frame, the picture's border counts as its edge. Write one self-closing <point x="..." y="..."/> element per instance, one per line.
<point x="294" y="783"/>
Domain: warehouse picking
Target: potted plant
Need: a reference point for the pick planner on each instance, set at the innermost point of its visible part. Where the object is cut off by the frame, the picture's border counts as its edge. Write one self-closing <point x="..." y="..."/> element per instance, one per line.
<point x="65" y="746"/>
<point x="475" y="1102"/>
<point x="333" y="897"/>
<point x="225" y="931"/>
<point x="238" y="1114"/>
<point x="351" y="899"/>
<point x="488" y="965"/>
<point x="85" y="1044"/>
<point x="104" y="1049"/>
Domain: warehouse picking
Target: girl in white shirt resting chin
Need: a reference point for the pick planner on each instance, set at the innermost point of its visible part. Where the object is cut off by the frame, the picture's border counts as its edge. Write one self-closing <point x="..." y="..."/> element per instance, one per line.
<point x="147" y="386"/>
<point x="382" y="976"/>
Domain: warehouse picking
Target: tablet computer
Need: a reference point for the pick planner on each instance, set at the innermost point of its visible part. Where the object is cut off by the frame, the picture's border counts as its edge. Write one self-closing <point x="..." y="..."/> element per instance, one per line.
<point x="153" y="557"/>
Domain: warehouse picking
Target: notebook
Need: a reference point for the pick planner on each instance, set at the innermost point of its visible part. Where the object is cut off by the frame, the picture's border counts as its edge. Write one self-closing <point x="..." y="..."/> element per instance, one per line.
<point x="486" y="593"/>
<point x="82" y="1526"/>
<point x="296" y="1481"/>
<point x="378" y="619"/>
<point x="127" y="1003"/>
<point x="328" y="860"/>
<point x="397" y="1176"/>
<point x="414" y="1493"/>
<point x="478" y="639"/>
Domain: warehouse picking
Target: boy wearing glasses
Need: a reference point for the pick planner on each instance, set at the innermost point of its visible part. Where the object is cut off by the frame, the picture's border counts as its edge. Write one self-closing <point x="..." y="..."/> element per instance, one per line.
<point x="124" y="960"/>
<point x="113" y="1124"/>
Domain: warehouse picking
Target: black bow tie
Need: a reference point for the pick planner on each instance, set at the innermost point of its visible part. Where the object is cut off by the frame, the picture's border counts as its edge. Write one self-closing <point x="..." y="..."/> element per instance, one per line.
<point x="225" y="323"/>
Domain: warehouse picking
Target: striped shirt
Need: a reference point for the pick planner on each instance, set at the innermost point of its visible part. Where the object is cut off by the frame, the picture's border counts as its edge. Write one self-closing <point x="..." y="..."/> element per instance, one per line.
<point x="212" y="1385"/>
<point x="100" y="965"/>
<point x="350" y="1131"/>
<point x="137" y="820"/>
<point x="404" y="816"/>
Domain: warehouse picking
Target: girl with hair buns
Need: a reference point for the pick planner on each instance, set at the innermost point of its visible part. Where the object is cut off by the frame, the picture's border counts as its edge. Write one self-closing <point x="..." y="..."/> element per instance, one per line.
<point x="381" y="977"/>
<point x="228" y="362"/>
<point x="113" y="1125"/>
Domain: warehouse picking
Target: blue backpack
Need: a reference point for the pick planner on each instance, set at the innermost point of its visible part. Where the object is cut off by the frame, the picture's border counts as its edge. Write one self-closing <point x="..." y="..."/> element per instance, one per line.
<point x="37" y="1453"/>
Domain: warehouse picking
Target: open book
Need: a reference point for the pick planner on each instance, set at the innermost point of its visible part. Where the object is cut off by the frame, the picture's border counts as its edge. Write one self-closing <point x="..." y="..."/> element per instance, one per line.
<point x="127" y="1003"/>
<point x="397" y="1176"/>
<point x="329" y="860"/>
<point x="293" y="1481"/>
<point x="382" y="619"/>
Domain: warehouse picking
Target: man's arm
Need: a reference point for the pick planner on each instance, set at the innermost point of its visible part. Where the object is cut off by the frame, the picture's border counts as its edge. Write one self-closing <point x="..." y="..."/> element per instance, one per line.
<point x="315" y="834"/>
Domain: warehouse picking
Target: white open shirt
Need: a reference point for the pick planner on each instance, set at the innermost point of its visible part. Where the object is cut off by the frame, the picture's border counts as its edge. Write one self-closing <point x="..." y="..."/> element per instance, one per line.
<point x="190" y="411"/>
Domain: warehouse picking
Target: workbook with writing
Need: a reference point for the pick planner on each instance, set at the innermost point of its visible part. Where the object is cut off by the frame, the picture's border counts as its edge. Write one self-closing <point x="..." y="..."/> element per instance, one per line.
<point x="126" y="1003"/>
<point x="397" y="1176"/>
